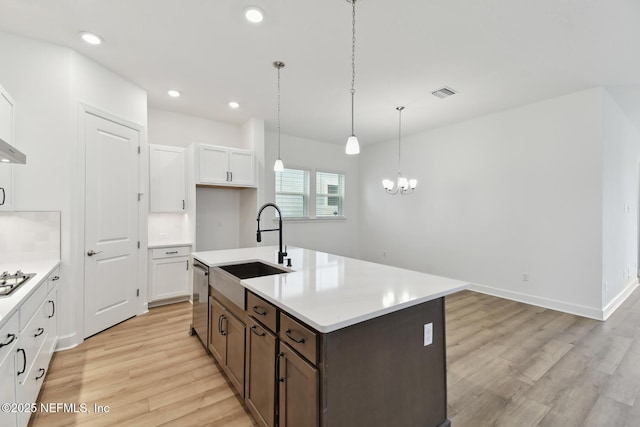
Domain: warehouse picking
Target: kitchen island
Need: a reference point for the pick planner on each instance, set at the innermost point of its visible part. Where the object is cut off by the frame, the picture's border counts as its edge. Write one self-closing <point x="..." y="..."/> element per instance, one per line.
<point x="352" y="342"/>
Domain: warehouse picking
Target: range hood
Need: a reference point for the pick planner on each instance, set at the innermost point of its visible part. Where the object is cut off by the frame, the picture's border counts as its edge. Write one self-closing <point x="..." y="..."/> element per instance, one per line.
<point x="10" y="154"/>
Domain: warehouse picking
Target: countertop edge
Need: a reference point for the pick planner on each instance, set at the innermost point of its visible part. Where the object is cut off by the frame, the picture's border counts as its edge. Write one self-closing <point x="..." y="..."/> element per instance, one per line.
<point x="22" y="294"/>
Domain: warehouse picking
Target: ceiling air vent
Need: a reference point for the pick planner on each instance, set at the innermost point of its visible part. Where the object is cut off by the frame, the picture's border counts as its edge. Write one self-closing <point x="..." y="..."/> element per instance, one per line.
<point x="444" y="92"/>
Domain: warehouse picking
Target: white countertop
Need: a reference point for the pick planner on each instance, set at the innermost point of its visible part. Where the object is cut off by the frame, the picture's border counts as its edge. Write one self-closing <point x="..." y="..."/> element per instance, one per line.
<point x="10" y="304"/>
<point x="330" y="292"/>
<point x="167" y="244"/>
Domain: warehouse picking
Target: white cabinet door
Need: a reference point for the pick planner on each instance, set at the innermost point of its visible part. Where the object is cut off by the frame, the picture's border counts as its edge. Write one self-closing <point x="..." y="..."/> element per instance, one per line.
<point x="242" y="167"/>
<point x="6" y="133"/>
<point x="226" y="166"/>
<point x="8" y="342"/>
<point x="167" y="179"/>
<point x="214" y="164"/>
<point x="8" y="389"/>
<point x="170" y="278"/>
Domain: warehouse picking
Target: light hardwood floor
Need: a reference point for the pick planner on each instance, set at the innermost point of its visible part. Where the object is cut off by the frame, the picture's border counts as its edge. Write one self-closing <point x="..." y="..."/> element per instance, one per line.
<point x="509" y="364"/>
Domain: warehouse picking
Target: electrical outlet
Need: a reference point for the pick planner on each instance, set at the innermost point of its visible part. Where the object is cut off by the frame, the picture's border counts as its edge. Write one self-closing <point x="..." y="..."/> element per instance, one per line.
<point x="428" y="334"/>
<point x="384" y="254"/>
<point x="525" y="277"/>
<point x="605" y="287"/>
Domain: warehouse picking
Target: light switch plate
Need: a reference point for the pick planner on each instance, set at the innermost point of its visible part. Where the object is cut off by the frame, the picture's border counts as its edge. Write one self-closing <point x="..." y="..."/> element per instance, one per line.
<point x="428" y="334"/>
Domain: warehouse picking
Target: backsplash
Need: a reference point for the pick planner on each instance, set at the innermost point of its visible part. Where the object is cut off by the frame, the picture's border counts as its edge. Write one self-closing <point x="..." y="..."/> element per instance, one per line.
<point x="168" y="227"/>
<point x="29" y="236"/>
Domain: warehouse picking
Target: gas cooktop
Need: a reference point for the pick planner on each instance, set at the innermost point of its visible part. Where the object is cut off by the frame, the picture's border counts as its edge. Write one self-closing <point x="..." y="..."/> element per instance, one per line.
<point x="11" y="282"/>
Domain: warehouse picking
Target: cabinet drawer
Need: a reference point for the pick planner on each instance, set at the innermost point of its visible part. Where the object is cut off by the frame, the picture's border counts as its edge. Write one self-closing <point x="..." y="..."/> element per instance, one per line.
<point x="299" y="337"/>
<point x="32" y="304"/>
<point x="265" y="312"/>
<point x="171" y="252"/>
<point x="8" y="337"/>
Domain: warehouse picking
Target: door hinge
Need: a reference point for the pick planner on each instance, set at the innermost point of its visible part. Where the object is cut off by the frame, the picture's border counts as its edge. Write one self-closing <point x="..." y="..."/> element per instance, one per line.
<point x="138" y="149"/>
<point x="137" y="292"/>
<point x="138" y="244"/>
<point x="139" y="196"/>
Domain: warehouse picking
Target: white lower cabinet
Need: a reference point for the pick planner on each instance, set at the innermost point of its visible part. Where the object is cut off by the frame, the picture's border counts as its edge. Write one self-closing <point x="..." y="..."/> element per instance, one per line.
<point x="8" y="343"/>
<point x="169" y="273"/>
<point x="37" y="338"/>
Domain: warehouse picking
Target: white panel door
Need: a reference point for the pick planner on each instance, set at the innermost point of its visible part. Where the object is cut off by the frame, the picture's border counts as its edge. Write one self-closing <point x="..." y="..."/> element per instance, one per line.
<point x="214" y="164"/>
<point x="111" y="223"/>
<point x="242" y="167"/>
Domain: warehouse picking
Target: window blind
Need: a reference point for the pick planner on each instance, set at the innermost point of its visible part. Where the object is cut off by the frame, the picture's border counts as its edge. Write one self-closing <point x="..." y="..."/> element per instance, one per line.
<point x="329" y="194"/>
<point x="292" y="192"/>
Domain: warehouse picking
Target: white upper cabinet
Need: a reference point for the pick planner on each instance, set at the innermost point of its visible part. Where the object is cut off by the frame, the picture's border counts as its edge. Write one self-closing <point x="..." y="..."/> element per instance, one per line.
<point x="167" y="186"/>
<point x="6" y="133"/>
<point x="226" y="166"/>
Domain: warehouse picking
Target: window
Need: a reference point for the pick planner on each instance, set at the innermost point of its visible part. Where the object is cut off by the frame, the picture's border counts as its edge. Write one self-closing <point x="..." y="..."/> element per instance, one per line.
<point x="301" y="194"/>
<point x="292" y="193"/>
<point x="329" y="194"/>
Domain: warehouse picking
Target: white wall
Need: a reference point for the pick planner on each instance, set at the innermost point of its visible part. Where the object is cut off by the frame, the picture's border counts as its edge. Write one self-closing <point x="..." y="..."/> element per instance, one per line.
<point x="502" y="195"/>
<point x="621" y="155"/>
<point x="333" y="236"/>
<point x="167" y="128"/>
<point x="47" y="82"/>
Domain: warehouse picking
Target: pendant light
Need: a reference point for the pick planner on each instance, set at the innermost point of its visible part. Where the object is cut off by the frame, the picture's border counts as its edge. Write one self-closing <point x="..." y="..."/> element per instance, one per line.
<point x="402" y="185"/>
<point x="278" y="166"/>
<point x="353" y="147"/>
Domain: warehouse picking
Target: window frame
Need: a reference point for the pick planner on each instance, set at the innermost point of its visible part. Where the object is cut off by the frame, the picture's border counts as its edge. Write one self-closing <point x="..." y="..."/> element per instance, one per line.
<point x="306" y="195"/>
<point x="342" y="197"/>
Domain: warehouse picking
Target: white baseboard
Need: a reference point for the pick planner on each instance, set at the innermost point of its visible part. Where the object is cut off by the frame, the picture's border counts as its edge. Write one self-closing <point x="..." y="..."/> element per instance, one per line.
<point x="68" y="342"/>
<point x="580" y="310"/>
<point x="619" y="299"/>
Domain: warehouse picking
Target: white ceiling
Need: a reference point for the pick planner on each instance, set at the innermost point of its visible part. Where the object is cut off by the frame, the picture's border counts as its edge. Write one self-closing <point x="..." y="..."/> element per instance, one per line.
<point x="497" y="53"/>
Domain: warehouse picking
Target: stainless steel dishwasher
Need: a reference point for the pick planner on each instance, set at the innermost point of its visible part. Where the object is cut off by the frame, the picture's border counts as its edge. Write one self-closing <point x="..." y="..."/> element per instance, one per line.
<point x="200" y="322"/>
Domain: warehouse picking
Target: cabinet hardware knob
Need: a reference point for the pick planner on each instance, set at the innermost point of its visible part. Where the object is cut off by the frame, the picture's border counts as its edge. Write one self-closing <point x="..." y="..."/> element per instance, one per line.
<point x="11" y="337"/>
<point x="262" y="312"/>
<point x="54" y="278"/>
<point x="53" y="308"/>
<point x="292" y="338"/>
<point x="42" y="371"/>
<point x="171" y="252"/>
<point x="24" y="358"/>
<point x="39" y="332"/>
<point x="4" y="196"/>
<point x="254" y="329"/>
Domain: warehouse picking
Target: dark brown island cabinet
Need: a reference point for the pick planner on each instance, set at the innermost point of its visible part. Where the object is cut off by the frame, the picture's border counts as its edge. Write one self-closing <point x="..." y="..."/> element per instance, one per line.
<point x="379" y="372"/>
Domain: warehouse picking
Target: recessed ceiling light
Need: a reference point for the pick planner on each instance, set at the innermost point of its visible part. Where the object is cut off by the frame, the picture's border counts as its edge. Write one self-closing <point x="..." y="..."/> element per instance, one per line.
<point x="254" y="14"/>
<point x="5" y="160"/>
<point x="234" y="105"/>
<point x="173" y="93"/>
<point x="91" y="38"/>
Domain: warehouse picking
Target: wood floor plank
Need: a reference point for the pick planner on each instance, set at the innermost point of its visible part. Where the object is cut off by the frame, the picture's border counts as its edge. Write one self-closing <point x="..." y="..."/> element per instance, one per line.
<point x="509" y="364"/>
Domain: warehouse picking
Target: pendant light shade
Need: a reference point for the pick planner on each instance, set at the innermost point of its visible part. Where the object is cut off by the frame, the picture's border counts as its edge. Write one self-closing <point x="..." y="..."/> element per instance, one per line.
<point x="353" y="146"/>
<point x="278" y="166"/>
<point x="403" y="185"/>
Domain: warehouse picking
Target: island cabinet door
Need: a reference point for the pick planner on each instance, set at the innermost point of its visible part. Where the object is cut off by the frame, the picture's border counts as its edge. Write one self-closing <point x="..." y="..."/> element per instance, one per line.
<point x="217" y="338"/>
<point x="234" y="330"/>
<point x="261" y="373"/>
<point x="298" y="390"/>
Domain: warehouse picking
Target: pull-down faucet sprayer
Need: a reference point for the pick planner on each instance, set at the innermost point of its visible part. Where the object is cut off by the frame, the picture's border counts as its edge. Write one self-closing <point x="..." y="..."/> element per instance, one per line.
<point x="281" y="254"/>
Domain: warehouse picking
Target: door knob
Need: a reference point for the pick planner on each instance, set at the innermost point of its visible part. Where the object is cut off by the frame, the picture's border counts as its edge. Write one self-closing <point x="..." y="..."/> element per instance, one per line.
<point x="92" y="252"/>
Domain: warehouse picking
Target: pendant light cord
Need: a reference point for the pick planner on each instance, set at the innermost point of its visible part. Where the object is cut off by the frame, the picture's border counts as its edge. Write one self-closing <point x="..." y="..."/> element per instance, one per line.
<point x="278" y="66"/>
<point x="353" y="59"/>
<point x="399" y="134"/>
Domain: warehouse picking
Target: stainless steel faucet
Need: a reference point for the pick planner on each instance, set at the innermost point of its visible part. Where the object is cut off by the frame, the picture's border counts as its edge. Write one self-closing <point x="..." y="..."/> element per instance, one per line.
<point x="281" y="254"/>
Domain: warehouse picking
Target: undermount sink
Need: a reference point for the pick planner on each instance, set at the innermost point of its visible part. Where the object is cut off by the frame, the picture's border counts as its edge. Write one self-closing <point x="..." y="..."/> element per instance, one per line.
<point x="230" y="287"/>
<point x="249" y="270"/>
